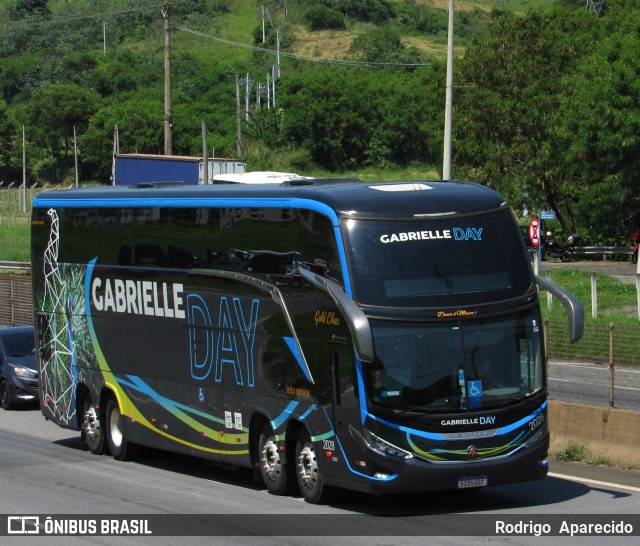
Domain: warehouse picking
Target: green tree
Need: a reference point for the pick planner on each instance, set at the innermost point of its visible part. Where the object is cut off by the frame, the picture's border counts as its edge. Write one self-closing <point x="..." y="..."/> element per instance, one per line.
<point x="601" y="133"/>
<point x="547" y="113"/>
<point x="139" y="119"/>
<point x="26" y="8"/>
<point x="511" y="100"/>
<point x="330" y="114"/>
<point x="347" y="117"/>
<point x="8" y="170"/>
<point x="53" y="113"/>
<point x="321" y="17"/>
<point x="383" y="45"/>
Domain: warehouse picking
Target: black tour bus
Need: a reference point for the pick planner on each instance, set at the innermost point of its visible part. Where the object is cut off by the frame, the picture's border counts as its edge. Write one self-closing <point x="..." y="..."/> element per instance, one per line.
<point x="383" y="337"/>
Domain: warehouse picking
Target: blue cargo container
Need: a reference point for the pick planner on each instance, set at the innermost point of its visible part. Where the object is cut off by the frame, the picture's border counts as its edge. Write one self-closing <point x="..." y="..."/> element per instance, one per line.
<point x="132" y="169"/>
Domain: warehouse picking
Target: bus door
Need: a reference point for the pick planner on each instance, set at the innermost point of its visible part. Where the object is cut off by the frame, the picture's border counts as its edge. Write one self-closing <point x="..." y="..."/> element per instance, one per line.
<point x="345" y="402"/>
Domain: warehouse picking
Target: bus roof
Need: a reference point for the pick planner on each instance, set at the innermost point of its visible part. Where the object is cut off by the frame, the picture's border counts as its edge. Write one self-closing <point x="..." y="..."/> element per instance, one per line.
<point x="346" y="197"/>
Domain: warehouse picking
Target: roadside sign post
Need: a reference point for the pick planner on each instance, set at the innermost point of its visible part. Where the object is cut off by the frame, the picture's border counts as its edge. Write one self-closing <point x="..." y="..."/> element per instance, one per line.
<point x="544" y="215"/>
<point x="534" y="237"/>
<point x="547" y="215"/>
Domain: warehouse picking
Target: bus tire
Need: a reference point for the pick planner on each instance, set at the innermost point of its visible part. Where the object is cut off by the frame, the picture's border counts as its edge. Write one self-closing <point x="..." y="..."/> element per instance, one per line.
<point x="308" y="472"/>
<point x="119" y="445"/>
<point x="91" y="430"/>
<point x="276" y="474"/>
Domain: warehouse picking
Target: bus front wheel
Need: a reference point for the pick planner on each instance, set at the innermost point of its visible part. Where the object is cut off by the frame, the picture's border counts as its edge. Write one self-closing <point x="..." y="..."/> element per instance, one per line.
<point x="309" y="473"/>
<point x="275" y="472"/>
<point x="120" y="447"/>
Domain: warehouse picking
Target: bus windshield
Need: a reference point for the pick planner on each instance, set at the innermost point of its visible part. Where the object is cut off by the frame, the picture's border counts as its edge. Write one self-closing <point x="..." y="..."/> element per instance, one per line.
<point x="440" y="262"/>
<point x="456" y="365"/>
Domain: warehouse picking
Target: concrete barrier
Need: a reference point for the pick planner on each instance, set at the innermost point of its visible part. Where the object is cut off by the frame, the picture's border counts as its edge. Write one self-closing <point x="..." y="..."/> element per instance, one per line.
<point x="607" y="432"/>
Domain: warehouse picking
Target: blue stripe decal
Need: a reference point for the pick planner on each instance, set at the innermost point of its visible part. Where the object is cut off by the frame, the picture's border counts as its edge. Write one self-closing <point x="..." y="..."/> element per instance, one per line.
<point x="523" y="421"/>
<point x="363" y="396"/>
<point x="43" y="201"/>
<point x="353" y="471"/>
<point x="87" y="292"/>
<point x="169" y="202"/>
<point x="440" y="437"/>
<point x="306" y="413"/>
<point x="284" y="415"/>
<point x="293" y="347"/>
<point x="412" y="431"/>
<point x="139" y="385"/>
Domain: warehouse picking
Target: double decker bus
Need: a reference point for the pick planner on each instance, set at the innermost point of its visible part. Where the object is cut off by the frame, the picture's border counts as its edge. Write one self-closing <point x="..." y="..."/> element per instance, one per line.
<point x="384" y="337"/>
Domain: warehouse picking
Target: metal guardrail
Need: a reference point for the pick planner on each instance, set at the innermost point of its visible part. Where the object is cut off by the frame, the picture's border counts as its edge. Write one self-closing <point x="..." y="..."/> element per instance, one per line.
<point x="604" y="252"/>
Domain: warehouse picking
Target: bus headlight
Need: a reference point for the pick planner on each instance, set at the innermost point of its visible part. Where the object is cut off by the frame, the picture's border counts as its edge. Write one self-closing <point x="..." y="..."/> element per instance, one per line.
<point x="377" y="443"/>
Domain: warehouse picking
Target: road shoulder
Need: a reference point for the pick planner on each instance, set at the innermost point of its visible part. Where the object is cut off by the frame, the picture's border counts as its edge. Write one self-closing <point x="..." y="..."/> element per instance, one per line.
<point x="598" y="473"/>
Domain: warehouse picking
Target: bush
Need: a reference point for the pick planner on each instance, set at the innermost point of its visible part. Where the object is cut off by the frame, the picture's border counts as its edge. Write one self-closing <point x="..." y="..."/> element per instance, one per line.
<point x="579" y="453"/>
<point x="374" y="11"/>
<point x="323" y="18"/>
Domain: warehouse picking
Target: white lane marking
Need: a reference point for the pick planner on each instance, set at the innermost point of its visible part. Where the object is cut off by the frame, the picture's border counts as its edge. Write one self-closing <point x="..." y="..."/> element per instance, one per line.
<point x="576" y="382"/>
<point x="594" y="482"/>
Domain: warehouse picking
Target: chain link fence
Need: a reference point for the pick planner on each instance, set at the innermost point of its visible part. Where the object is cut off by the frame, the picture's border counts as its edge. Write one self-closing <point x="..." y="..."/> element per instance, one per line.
<point x="15" y="202"/>
<point x="602" y="342"/>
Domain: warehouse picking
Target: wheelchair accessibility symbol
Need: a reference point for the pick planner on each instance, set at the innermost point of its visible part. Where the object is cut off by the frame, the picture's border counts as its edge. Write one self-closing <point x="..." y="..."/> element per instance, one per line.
<point x="475" y="388"/>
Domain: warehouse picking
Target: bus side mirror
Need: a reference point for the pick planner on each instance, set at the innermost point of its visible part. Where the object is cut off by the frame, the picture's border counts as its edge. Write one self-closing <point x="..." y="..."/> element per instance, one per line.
<point x="572" y="305"/>
<point x="356" y="319"/>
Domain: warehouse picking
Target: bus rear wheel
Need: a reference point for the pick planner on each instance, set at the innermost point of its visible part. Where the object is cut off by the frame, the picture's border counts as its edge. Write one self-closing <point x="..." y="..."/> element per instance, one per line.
<point x="91" y="431"/>
<point x="308" y="472"/>
<point x="276" y="474"/>
<point x="120" y="447"/>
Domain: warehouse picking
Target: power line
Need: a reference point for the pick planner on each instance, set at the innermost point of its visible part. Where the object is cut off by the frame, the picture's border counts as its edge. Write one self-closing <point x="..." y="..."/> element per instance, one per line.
<point x="295" y="55"/>
<point x="34" y="21"/>
<point x="66" y="19"/>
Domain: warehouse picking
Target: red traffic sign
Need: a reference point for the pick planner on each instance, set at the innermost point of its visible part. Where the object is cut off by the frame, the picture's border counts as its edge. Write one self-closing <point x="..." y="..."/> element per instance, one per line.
<point x="534" y="232"/>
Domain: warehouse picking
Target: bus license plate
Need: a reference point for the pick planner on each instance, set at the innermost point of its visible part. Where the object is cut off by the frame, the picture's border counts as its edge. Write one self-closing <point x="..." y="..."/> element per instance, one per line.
<point x="475" y="481"/>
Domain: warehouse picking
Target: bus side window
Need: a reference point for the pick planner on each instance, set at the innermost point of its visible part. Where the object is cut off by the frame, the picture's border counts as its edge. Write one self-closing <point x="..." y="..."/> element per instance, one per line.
<point x="316" y="242"/>
<point x="344" y="377"/>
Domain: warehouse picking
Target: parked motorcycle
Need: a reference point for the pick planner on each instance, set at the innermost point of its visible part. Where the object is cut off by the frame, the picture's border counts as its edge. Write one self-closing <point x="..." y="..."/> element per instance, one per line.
<point x="555" y="249"/>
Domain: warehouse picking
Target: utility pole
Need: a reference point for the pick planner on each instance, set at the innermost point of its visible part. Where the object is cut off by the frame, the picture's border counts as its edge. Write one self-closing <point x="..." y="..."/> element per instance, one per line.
<point x="268" y="90"/>
<point x="168" y="139"/>
<point x="246" y="97"/>
<point x="273" y="84"/>
<point x="24" y="168"/>
<point x="205" y="159"/>
<point x="278" y="51"/>
<point x="75" y="153"/>
<point x="238" y="118"/>
<point x="116" y="151"/>
<point x="448" y="109"/>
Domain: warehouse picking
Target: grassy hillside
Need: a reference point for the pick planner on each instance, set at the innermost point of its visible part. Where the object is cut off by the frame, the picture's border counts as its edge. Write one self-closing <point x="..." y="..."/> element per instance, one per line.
<point x="242" y="17"/>
<point x="113" y="50"/>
